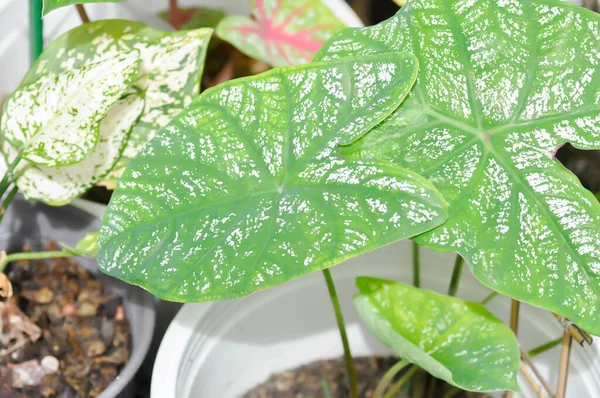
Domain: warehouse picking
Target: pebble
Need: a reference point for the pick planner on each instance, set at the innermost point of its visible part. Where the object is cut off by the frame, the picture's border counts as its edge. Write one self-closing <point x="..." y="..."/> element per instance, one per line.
<point x="50" y="364"/>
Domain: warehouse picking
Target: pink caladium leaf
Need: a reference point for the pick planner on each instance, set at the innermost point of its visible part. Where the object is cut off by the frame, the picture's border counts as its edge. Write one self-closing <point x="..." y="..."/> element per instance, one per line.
<point x="282" y="32"/>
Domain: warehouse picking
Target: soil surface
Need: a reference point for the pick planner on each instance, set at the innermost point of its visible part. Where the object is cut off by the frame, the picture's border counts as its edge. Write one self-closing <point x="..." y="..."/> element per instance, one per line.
<point x="63" y="334"/>
<point x="327" y="379"/>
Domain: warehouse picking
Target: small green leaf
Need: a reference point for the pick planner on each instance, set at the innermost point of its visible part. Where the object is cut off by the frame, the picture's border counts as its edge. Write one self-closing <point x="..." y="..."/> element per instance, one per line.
<point x="281" y="32"/>
<point x="454" y="340"/>
<point x="502" y="85"/>
<point x="86" y="247"/>
<point x="58" y="186"/>
<point x="171" y="68"/>
<point x="55" y="121"/>
<point x="246" y="190"/>
<point x="51" y="5"/>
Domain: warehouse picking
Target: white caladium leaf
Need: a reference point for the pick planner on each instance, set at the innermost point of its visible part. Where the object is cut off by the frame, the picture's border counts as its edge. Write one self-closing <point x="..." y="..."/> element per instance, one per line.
<point x="246" y="189"/>
<point x="170" y="72"/>
<point x="58" y="186"/>
<point x="54" y="121"/>
<point x="281" y="32"/>
<point x="502" y="85"/>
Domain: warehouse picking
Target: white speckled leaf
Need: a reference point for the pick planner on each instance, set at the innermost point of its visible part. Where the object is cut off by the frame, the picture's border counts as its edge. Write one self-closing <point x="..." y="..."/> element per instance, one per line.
<point x="281" y="32"/>
<point x="54" y="121"/>
<point x="59" y="186"/>
<point x="172" y="65"/>
<point x="502" y="84"/>
<point x="454" y="340"/>
<point x="51" y="5"/>
<point x="245" y="189"/>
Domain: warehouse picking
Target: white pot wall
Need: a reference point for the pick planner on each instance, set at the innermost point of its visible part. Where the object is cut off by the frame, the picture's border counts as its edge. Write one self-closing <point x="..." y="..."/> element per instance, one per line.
<point x="225" y="348"/>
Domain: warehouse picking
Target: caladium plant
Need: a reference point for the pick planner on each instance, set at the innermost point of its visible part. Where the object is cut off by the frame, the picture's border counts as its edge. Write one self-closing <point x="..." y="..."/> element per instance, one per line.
<point x="497" y="95"/>
<point x="267" y="178"/>
<point x="281" y="32"/>
<point x="245" y="189"/>
<point x="169" y="78"/>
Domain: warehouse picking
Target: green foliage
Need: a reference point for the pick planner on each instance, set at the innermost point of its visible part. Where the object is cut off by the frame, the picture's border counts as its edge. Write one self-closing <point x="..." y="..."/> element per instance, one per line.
<point x="172" y="65"/>
<point x="281" y="32"/>
<point x="195" y="17"/>
<point x="51" y="5"/>
<point x="246" y="190"/>
<point x="501" y="86"/>
<point x="86" y="247"/>
<point x="455" y="340"/>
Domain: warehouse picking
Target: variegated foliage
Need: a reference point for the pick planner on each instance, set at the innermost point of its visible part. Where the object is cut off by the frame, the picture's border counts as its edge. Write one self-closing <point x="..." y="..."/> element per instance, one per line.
<point x="246" y="189"/>
<point x="171" y="68"/>
<point x="455" y="340"/>
<point x="281" y="32"/>
<point x="502" y="85"/>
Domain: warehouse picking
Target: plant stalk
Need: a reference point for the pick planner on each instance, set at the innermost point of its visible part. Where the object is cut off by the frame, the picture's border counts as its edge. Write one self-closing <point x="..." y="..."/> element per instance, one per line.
<point x="388" y="377"/>
<point x="33" y="256"/>
<point x="6" y="180"/>
<point x="7" y="201"/>
<point x="36" y="30"/>
<point x="401" y="382"/>
<point x="416" y="265"/>
<point x="456" y="274"/>
<point x="514" y="326"/>
<point x="82" y="13"/>
<point x="344" y="336"/>
<point x="174" y="14"/>
<point x="544" y="347"/>
<point x="489" y="298"/>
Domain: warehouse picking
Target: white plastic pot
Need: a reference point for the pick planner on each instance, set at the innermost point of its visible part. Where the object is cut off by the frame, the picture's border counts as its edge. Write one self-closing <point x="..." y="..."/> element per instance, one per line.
<point x="223" y="349"/>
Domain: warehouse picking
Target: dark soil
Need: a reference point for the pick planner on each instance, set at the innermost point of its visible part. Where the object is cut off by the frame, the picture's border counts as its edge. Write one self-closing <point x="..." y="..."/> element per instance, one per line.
<point x="63" y="334"/>
<point x="312" y="381"/>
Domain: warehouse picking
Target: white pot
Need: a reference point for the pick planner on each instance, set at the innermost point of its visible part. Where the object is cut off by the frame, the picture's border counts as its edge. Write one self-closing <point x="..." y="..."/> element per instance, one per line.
<point x="223" y="349"/>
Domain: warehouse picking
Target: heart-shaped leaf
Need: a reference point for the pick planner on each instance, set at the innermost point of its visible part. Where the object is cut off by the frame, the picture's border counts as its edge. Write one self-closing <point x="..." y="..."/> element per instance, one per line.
<point x="58" y="186"/>
<point x="502" y="84"/>
<point x="51" y="5"/>
<point x="54" y="121"/>
<point x="454" y="340"/>
<point x="172" y="65"/>
<point x="282" y="32"/>
<point x="245" y="189"/>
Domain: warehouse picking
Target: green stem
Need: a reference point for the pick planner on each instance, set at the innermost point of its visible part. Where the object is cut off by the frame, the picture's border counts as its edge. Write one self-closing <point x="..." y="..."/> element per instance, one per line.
<point x="33" y="256"/>
<point x="401" y="382"/>
<point x="452" y="392"/>
<point x="342" y="328"/>
<point x="456" y="273"/>
<point x="489" y="298"/>
<point x="6" y="180"/>
<point x="545" y="347"/>
<point x="8" y="201"/>
<point x="36" y="28"/>
<point x="416" y="265"/>
<point x="388" y="377"/>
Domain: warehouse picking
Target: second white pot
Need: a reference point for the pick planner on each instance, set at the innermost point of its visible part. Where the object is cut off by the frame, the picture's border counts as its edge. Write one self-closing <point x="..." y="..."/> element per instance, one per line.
<point x="224" y="349"/>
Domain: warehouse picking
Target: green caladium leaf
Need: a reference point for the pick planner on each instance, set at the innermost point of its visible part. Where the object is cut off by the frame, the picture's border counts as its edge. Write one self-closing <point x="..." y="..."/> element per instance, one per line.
<point x="282" y="32"/>
<point x="51" y="5"/>
<point x="172" y="65"/>
<point x="86" y="247"/>
<point x="502" y="84"/>
<point x="59" y="186"/>
<point x="245" y="189"/>
<point x="54" y="121"/>
<point x="454" y="340"/>
<point x="195" y="17"/>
